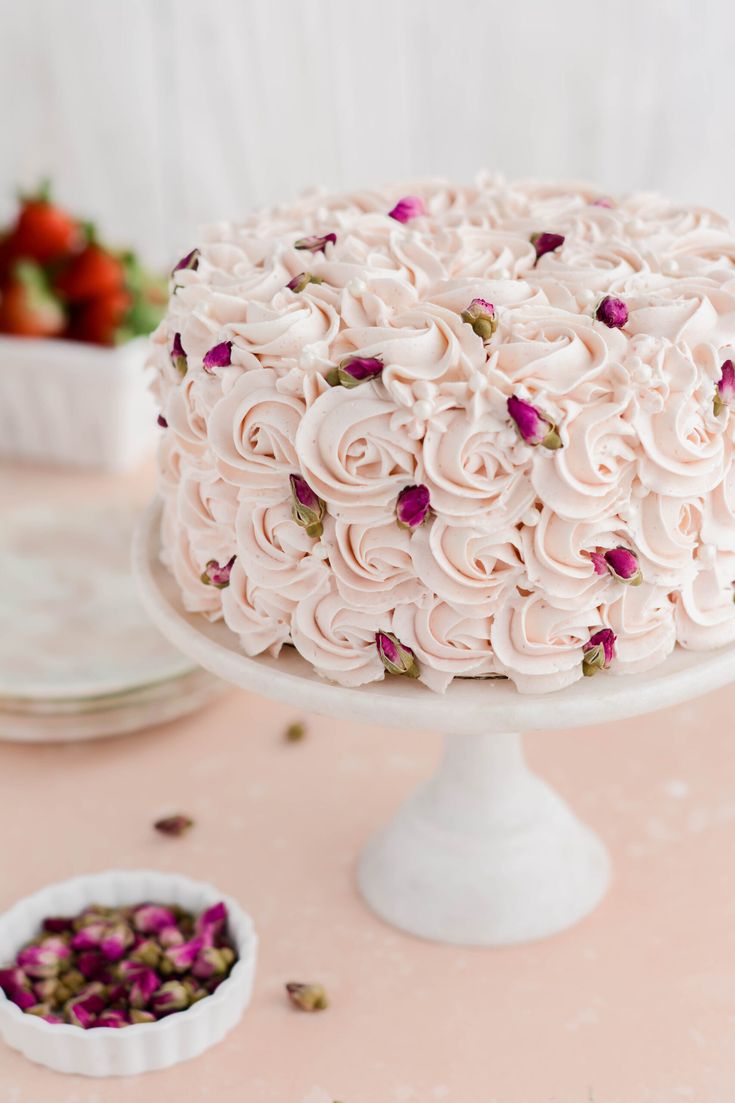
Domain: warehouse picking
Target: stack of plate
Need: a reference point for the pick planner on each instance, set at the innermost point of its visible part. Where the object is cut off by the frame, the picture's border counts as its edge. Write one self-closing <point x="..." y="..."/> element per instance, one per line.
<point x="79" y="659"/>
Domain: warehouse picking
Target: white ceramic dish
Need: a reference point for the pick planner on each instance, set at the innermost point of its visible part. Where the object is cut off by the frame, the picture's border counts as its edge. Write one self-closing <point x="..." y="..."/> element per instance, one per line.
<point x="77" y="404"/>
<point x="135" y="1049"/>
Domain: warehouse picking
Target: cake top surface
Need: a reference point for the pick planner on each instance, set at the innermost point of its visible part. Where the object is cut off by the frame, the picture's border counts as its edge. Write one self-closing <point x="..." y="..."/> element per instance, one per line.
<point x="510" y="404"/>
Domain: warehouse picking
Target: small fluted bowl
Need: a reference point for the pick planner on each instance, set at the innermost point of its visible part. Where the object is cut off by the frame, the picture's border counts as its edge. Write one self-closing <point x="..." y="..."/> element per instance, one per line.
<point x="144" y="1046"/>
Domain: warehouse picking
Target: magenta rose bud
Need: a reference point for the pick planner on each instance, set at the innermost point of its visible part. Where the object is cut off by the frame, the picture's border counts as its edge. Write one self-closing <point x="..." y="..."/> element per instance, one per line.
<point x="395" y="656"/>
<point x="532" y="425"/>
<point x="112" y="1019"/>
<point x="152" y="918"/>
<point x="11" y="978"/>
<point x="354" y="370"/>
<point x="219" y="356"/>
<point x="190" y="261"/>
<point x="178" y="355"/>
<point x="315" y="244"/>
<point x="725" y="390"/>
<point x="411" y="206"/>
<point x="545" y="243"/>
<point x="481" y="315"/>
<point x="623" y="565"/>
<point x="43" y="960"/>
<point x="58" y="924"/>
<point x="413" y="506"/>
<point x="174" y="825"/>
<point x="300" y="282"/>
<point x="598" y="562"/>
<point x="171" y="996"/>
<point x="214" y="575"/>
<point x="307" y="508"/>
<point x="599" y="652"/>
<point x="182" y="957"/>
<point x="116" y="941"/>
<point x="212" y="923"/>
<point x="84" y="1012"/>
<point x="92" y="964"/>
<point x="612" y="312"/>
<point x="89" y="937"/>
<point x="143" y="981"/>
<point x="21" y="997"/>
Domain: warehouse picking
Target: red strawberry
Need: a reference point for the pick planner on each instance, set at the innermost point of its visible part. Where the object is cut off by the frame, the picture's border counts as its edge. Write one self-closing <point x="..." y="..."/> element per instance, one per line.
<point x="28" y="308"/>
<point x="92" y="272"/>
<point x="99" y="319"/>
<point x="43" y="232"/>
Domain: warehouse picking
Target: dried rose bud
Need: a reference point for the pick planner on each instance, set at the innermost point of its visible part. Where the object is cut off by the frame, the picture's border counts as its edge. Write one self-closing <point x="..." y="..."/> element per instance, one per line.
<point x="152" y="918"/>
<point x="481" y="315"/>
<point x="213" y="962"/>
<point x="219" y="356"/>
<point x="44" y="959"/>
<point x="307" y="997"/>
<point x="533" y="426"/>
<point x="92" y="964"/>
<point x="395" y="656"/>
<point x="21" y="997"/>
<point x="599" y="652"/>
<point x="612" y="312"/>
<point x="138" y="1016"/>
<point x="178" y="355"/>
<point x="13" y="977"/>
<point x="181" y="958"/>
<point x="45" y="990"/>
<point x="116" y="941"/>
<point x="295" y="732"/>
<point x="315" y="244"/>
<point x="161" y="422"/>
<point x="52" y="1019"/>
<point x="143" y="983"/>
<point x="148" y="952"/>
<point x="191" y="260"/>
<point x="413" y="506"/>
<point x="623" y="565"/>
<point x="725" y="389"/>
<point x="171" y="996"/>
<point x="170" y="936"/>
<point x="58" y="924"/>
<point x="111" y="1018"/>
<point x="545" y="243"/>
<point x="40" y="1010"/>
<point x="211" y="923"/>
<point x="411" y="206"/>
<point x="174" y="825"/>
<point x="195" y="990"/>
<point x="72" y="980"/>
<point x="355" y="370"/>
<point x="89" y="937"/>
<point x="307" y="509"/>
<point x="214" y="575"/>
<point x="300" y="282"/>
<point x="84" y="1012"/>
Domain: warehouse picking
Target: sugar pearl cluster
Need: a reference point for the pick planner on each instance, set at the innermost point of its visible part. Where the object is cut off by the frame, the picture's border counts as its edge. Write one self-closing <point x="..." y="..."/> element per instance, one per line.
<point x="443" y="431"/>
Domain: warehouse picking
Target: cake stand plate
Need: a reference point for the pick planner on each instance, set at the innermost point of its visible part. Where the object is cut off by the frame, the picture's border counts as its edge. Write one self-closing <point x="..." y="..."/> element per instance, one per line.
<point x="485" y="853"/>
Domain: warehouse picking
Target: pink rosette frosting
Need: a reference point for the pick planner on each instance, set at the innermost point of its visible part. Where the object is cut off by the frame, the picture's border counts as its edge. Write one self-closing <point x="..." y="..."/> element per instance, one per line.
<point x="508" y="411"/>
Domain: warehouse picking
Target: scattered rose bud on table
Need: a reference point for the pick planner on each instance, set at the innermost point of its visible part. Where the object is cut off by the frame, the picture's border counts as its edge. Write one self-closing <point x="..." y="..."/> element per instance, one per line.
<point x="307" y="997"/>
<point x="174" y="825"/>
<point x="295" y="732"/>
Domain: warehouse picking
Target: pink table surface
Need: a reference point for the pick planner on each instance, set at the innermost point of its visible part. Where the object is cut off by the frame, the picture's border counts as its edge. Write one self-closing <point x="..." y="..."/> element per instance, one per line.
<point x="635" y="1005"/>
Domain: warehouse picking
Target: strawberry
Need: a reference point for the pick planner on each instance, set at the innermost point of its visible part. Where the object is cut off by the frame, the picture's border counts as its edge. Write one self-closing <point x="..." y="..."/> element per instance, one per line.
<point x="98" y="320"/>
<point x="43" y="232"/>
<point x="28" y="308"/>
<point x="93" y="272"/>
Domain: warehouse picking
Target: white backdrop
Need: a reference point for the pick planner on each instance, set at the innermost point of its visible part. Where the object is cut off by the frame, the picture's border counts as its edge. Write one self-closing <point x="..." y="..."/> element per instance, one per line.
<point x="154" y="115"/>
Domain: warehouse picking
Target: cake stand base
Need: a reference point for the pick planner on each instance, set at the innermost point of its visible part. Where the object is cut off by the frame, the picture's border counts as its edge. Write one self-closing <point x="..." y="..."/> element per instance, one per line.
<point x="484" y="853"/>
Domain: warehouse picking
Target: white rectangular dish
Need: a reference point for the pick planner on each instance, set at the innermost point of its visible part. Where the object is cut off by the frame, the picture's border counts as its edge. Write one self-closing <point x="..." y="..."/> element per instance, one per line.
<point x="71" y="403"/>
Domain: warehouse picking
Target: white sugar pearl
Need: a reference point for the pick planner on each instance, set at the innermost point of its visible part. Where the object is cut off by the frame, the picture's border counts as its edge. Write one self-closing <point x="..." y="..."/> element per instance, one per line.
<point x="669" y="267"/>
<point x="319" y="551"/>
<point x="586" y="298"/>
<point x="357" y="287"/>
<point x="635" y="225"/>
<point x="424" y="389"/>
<point x="422" y="409"/>
<point x="707" y="554"/>
<point x="504" y="274"/>
<point x="477" y="383"/>
<point x="530" y="518"/>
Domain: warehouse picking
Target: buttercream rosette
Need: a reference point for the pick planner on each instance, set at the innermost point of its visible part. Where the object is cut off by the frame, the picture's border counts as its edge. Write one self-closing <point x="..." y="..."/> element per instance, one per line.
<point x="444" y="431"/>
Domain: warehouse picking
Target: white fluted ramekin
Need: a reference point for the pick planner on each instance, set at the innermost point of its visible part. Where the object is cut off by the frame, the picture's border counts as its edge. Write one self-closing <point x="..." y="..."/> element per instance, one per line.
<point x="76" y="404"/>
<point x="145" y="1046"/>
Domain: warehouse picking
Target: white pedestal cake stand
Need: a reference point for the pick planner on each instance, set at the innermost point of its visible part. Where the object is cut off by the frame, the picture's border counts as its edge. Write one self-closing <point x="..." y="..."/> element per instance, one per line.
<point x="484" y="853"/>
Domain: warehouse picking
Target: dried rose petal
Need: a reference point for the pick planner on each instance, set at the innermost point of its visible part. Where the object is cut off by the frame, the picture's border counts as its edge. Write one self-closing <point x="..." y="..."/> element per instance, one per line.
<point x="191" y="260"/>
<point x="355" y="370"/>
<point x="174" y="825"/>
<point x="533" y="426"/>
<point x="307" y="997"/>
<point x="307" y="509"/>
<point x="315" y="244"/>
<point x="612" y="312"/>
<point x="599" y="562"/>
<point x="211" y="923"/>
<point x="545" y="243"/>
<point x="481" y="315"/>
<point x="411" y="206"/>
<point x="396" y="657"/>
<point x="603" y="201"/>
<point x="301" y="281"/>
<point x="725" y="389"/>
<point x="219" y="356"/>
<point x="413" y="506"/>
<point x="161" y="422"/>
<point x="599" y="652"/>
<point x="214" y="575"/>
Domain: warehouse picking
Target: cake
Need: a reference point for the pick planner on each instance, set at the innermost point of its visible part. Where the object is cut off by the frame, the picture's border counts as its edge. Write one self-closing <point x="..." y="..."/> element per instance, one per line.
<point x="450" y="432"/>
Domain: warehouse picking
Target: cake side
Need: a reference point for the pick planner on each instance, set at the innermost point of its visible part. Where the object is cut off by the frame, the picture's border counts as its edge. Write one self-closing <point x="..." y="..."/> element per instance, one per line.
<point x="452" y="431"/>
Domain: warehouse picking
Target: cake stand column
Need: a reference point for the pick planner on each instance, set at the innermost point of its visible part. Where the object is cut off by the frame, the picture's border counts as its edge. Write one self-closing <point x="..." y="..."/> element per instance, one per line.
<point x="485" y="853"/>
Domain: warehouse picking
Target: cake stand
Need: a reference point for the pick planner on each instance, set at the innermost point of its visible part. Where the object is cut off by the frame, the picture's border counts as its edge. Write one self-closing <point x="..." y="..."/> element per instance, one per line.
<point x="484" y="853"/>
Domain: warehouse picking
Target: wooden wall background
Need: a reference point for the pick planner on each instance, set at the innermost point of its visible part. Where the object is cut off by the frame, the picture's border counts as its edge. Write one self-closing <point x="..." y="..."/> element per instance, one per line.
<point x="154" y="115"/>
